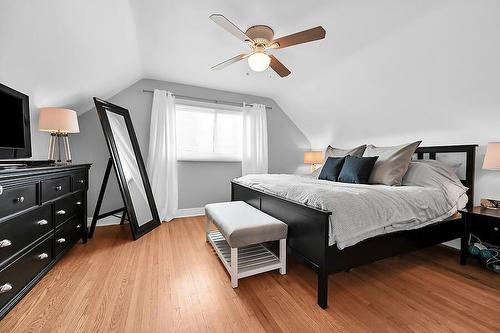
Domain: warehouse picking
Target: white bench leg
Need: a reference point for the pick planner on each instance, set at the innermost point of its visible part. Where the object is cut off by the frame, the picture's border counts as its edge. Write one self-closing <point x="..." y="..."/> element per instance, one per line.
<point x="283" y="256"/>
<point x="207" y="228"/>
<point x="234" y="267"/>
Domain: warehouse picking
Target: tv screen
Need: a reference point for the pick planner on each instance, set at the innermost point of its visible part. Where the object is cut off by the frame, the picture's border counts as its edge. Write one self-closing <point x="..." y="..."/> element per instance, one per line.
<point x="15" y="135"/>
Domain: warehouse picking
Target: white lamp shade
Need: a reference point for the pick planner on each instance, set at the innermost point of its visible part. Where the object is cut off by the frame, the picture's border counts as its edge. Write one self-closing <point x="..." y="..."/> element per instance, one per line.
<point x="259" y="61"/>
<point x="492" y="157"/>
<point x="313" y="157"/>
<point x="58" y="120"/>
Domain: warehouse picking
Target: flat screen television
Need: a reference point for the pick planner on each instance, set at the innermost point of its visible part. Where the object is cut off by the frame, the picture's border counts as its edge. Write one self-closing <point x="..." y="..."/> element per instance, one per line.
<point x="15" y="136"/>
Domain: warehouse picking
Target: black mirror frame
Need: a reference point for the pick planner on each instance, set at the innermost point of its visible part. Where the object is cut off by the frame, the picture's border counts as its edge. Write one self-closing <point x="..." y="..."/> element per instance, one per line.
<point x="102" y="107"/>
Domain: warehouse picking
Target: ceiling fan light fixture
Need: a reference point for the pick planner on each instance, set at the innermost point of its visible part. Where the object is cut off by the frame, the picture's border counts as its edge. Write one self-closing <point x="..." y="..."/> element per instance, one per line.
<point x="261" y="38"/>
<point x="259" y="61"/>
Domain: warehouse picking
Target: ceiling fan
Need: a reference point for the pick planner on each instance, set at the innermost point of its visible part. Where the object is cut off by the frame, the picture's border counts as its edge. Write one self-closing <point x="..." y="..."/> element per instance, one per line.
<point x="260" y="38"/>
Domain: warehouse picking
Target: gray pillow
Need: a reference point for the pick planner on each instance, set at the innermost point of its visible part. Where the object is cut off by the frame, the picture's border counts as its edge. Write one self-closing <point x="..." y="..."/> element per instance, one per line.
<point x="337" y="152"/>
<point x="435" y="174"/>
<point x="392" y="162"/>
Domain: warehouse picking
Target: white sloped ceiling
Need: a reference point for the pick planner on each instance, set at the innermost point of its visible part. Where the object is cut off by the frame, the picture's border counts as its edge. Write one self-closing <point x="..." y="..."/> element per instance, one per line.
<point x="387" y="69"/>
<point x="64" y="52"/>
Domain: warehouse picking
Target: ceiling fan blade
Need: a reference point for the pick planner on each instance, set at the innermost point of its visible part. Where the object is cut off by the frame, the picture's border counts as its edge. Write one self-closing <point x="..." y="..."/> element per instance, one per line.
<point x="278" y="67"/>
<point x="229" y="27"/>
<point x="301" y="37"/>
<point x="231" y="61"/>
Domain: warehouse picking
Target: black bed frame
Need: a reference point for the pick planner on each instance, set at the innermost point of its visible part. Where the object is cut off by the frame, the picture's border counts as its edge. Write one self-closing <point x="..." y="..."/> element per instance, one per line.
<point x="308" y="227"/>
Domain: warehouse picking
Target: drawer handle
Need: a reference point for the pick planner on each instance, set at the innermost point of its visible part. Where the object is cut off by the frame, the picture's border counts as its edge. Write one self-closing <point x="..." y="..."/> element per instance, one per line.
<point x="81" y="181"/>
<point x="58" y="188"/>
<point x="43" y="256"/>
<point x="61" y="240"/>
<point x="61" y="212"/>
<point x="78" y="226"/>
<point x="5" y="243"/>
<point x="42" y="222"/>
<point x="5" y="288"/>
<point x="79" y="203"/>
<point x="19" y="199"/>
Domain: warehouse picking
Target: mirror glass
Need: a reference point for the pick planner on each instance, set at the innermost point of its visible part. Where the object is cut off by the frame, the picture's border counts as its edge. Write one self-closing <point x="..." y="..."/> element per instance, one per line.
<point x="130" y="168"/>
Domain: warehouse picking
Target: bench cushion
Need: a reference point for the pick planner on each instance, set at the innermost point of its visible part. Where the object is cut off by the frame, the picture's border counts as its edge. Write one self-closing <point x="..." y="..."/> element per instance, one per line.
<point x="242" y="224"/>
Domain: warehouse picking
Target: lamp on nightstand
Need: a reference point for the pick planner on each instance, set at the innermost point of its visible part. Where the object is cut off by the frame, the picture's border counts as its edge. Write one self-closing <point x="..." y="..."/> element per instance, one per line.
<point x="59" y="122"/>
<point x="313" y="158"/>
<point x="492" y="157"/>
<point x="491" y="162"/>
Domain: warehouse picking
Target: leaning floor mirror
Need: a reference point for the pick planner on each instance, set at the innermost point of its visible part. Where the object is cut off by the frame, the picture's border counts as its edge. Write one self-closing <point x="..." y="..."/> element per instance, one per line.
<point x="129" y="167"/>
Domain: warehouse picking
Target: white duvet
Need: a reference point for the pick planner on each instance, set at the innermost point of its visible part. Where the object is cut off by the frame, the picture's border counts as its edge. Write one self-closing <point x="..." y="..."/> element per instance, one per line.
<point x="363" y="211"/>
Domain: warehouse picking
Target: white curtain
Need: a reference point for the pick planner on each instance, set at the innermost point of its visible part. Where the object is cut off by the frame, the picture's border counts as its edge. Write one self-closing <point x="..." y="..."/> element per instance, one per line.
<point x="162" y="156"/>
<point x="254" y="139"/>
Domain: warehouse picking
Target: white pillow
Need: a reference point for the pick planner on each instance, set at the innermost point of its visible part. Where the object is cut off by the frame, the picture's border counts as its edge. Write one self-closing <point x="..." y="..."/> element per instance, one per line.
<point x="391" y="164"/>
<point x="435" y="174"/>
<point x="452" y="166"/>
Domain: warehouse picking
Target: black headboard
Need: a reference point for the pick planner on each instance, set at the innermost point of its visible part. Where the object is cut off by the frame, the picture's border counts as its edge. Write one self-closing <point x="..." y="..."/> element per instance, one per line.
<point x="470" y="163"/>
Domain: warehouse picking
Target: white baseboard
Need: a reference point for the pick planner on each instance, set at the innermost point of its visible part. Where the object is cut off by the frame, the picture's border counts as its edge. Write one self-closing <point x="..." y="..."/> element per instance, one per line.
<point x="187" y="212"/>
<point x="453" y="243"/>
<point x="184" y="212"/>
<point x="110" y="220"/>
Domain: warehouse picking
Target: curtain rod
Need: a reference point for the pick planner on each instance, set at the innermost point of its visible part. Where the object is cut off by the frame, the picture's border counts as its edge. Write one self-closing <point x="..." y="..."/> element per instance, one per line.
<point x="198" y="99"/>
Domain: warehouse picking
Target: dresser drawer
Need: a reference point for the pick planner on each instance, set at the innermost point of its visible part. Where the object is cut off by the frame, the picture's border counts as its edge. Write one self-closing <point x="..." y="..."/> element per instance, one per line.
<point x="18" y="274"/>
<point x="68" y="206"/>
<point x="68" y="233"/>
<point x="79" y="181"/>
<point x="18" y="198"/>
<point x="22" y="230"/>
<point x="55" y="187"/>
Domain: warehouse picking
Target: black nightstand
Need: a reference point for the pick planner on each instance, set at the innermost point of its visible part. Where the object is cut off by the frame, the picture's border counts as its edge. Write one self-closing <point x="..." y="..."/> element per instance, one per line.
<point x="481" y="222"/>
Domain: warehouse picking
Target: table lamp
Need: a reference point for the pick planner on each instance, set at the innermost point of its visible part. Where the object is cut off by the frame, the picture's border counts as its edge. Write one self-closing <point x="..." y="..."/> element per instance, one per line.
<point x="59" y="122"/>
<point x="314" y="158"/>
<point x="491" y="162"/>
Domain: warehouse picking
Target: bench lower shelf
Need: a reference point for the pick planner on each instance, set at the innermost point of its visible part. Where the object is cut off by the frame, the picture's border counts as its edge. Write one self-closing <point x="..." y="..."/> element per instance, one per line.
<point x="251" y="260"/>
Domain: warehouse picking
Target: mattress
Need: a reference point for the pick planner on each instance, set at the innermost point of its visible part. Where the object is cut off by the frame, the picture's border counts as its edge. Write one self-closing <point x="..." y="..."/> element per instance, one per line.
<point x="363" y="211"/>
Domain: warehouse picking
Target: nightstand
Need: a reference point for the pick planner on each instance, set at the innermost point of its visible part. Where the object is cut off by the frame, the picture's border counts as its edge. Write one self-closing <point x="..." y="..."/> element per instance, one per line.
<point x="481" y="222"/>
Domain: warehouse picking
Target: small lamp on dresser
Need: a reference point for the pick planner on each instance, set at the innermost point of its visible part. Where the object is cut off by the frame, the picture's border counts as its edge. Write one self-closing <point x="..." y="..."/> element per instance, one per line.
<point x="314" y="158"/>
<point x="59" y="122"/>
<point x="491" y="162"/>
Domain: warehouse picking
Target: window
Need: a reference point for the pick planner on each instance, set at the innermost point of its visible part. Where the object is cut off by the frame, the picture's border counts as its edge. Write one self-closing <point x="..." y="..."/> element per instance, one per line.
<point x="208" y="134"/>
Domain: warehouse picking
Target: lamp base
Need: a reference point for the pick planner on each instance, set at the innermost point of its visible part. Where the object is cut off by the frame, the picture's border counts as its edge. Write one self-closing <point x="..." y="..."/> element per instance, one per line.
<point x="315" y="167"/>
<point x="56" y="138"/>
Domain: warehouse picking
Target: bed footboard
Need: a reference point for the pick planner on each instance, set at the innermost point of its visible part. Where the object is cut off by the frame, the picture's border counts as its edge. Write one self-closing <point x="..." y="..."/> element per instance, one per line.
<point x="307" y="230"/>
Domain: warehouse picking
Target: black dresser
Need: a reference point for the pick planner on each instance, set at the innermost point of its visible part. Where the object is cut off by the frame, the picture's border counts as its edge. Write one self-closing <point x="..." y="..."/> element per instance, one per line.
<point x="42" y="214"/>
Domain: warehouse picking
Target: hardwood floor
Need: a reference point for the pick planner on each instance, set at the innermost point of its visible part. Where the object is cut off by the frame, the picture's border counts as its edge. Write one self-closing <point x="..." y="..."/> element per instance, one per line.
<point x="170" y="280"/>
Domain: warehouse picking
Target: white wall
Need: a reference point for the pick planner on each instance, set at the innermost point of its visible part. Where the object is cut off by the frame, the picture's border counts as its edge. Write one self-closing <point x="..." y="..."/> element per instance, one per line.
<point x="199" y="182"/>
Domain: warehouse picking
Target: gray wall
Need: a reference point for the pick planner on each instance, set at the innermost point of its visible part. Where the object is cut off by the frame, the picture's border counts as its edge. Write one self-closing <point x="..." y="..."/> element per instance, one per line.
<point x="199" y="182"/>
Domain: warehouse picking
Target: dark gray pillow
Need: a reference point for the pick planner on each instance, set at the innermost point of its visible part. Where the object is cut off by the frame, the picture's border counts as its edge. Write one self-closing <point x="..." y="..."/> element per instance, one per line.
<point x="357" y="170"/>
<point x="392" y="163"/>
<point x="332" y="168"/>
<point x="338" y="152"/>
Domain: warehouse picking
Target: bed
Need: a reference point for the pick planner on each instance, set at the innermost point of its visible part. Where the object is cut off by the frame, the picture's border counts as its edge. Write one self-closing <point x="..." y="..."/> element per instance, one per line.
<point x="309" y="228"/>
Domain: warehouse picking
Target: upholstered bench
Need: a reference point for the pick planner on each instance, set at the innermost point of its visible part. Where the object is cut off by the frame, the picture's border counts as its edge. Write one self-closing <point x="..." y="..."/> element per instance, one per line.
<point x="241" y="230"/>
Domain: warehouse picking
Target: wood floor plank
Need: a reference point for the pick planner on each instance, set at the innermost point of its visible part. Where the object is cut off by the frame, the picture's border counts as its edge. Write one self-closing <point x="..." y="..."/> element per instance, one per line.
<point x="171" y="280"/>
